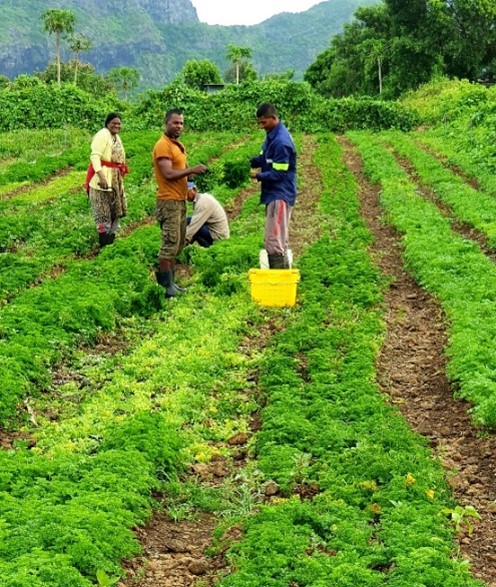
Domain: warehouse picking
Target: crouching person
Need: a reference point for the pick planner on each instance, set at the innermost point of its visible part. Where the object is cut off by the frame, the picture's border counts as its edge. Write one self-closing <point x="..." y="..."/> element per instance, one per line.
<point x="209" y="220"/>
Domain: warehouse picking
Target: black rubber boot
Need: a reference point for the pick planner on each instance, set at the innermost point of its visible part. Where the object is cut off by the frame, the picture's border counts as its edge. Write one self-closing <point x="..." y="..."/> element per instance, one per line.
<point x="164" y="278"/>
<point x="178" y="287"/>
<point x="104" y="239"/>
<point x="277" y="261"/>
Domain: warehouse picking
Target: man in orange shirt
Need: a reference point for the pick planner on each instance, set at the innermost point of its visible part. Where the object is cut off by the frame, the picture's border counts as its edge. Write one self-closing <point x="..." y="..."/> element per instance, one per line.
<point x="171" y="173"/>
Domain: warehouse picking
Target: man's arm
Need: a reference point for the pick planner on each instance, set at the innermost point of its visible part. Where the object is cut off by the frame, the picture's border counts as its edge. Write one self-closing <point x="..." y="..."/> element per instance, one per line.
<point x="280" y="164"/>
<point x="257" y="161"/>
<point x="166" y="169"/>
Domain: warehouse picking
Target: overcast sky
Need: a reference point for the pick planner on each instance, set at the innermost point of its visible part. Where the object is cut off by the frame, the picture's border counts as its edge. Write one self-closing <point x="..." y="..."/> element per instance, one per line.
<point x="246" y="12"/>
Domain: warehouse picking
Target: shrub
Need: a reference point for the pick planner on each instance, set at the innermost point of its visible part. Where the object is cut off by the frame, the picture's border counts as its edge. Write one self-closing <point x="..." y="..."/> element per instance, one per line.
<point x="50" y="106"/>
<point x="340" y="115"/>
<point x="444" y="99"/>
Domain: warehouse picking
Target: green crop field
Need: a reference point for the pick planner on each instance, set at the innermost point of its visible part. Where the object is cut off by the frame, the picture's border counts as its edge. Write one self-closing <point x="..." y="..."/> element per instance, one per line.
<point x="275" y="424"/>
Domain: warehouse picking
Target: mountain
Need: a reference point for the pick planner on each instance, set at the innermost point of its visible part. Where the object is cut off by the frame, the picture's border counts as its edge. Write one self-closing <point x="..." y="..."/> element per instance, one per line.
<point x="157" y="37"/>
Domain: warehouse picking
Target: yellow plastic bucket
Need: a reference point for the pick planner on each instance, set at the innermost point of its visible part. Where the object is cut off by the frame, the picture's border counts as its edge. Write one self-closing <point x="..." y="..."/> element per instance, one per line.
<point x="274" y="287"/>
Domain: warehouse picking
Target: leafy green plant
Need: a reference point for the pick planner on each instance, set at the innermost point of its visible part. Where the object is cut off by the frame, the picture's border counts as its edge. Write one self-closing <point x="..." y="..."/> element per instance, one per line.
<point x="104" y="580"/>
<point x="461" y="517"/>
<point x="129" y="426"/>
<point x="236" y="173"/>
<point x="52" y="106"/>
<point x="453" y="268"/>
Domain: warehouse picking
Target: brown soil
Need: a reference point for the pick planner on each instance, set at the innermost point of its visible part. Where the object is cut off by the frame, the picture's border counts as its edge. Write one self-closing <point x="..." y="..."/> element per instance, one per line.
<point x="411" y="371"/>
<point x="8" y="439"/>
<point x="173" y="553"/>
<point x="186" y="563"/>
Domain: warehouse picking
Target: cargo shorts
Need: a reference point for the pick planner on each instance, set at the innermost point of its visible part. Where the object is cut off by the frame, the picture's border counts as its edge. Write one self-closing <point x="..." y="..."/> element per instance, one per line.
<point x="171" y="216"/>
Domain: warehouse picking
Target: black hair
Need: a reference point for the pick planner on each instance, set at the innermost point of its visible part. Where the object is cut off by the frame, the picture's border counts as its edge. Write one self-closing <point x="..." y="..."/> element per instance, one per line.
<point x="172" y="111"/>
<point x="111" y="116"/>
<point x="266" y="109"/>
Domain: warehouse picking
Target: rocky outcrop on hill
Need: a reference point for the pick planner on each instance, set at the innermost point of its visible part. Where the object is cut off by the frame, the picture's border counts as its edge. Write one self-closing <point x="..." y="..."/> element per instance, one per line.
<point x="157" y="37"/>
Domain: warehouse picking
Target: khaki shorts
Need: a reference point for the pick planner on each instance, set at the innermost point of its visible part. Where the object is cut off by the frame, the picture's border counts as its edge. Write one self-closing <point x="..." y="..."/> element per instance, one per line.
<point x="171" y="215"/>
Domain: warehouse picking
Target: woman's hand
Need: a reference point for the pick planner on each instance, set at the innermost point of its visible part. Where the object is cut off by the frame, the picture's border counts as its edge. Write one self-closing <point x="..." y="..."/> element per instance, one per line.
<point x="102" y="182"/>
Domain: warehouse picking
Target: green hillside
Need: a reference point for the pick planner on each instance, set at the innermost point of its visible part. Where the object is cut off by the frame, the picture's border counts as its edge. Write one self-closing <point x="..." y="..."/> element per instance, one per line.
<point x="158" y="38"/>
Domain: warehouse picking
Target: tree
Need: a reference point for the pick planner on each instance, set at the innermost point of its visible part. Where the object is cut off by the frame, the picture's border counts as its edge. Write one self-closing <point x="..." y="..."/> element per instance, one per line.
<point x="88" y="79"/>
<point x="58" y="22"/>
<point x="388" y="49"/>
<point x="77" y="44"/>
<point x="407" y="16"/>
<point x="238" y="56"/>
<point x="125" y="79"/>
<point x="469" y="45"/>
<point x="197" y="74"/>
<point x="457" y="35"/>
<point x="345" y="68"/>
<point x="244" y="72"/>
<point x="376" y="50"/>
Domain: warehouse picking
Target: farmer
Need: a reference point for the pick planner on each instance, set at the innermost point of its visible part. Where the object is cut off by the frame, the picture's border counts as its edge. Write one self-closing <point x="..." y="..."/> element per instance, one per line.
<point x="276" y="173"/>
<point x="171" y="173"/>
<point x="208" y="222"/>
<point x="104" y="184"/>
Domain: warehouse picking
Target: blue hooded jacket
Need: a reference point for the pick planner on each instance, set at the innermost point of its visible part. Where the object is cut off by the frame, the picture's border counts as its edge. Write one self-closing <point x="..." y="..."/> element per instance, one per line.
<point x="277" y="163"/>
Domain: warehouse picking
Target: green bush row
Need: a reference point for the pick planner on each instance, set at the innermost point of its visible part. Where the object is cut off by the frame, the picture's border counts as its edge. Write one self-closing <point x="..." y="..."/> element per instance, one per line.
<point x="233" y="108"/>
<point x="445" y="101"/>
<point x="69" y="503"/>
<point x="52" y="106"/>
<point x="65" y="518"/>
<point x="30" y="144"/>
<point x="299" y="106"/>
<point x="43" y="167"/>
<point x="452" y="268"/>
<point x="477" y="164"/>
<point x="365" y="113"/>
<point x="376" y="516"/>
<point x="472" y="206"/>
<point x="44" y="323"/>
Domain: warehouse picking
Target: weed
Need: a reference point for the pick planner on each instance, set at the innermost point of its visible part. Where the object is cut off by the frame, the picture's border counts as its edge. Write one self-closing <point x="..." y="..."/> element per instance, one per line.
<point x="104" y="580"/>
<point x="460" y="516"/>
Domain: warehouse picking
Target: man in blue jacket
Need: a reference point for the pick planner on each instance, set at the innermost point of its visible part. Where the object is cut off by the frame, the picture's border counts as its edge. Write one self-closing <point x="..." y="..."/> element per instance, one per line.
<point x="276" y="172"/>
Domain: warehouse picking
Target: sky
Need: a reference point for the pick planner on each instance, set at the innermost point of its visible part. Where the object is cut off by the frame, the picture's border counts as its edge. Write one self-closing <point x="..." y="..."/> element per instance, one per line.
<point x="246" y="12"/>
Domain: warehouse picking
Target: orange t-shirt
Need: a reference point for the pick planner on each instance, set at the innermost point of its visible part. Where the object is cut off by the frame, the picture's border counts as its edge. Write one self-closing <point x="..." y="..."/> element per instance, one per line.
<point x="172" y="149"/>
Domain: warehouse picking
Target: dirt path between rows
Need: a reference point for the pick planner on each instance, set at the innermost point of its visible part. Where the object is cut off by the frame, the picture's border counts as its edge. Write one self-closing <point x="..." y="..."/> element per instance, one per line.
<point x="411" y="371"/>
<point x="174" y="553"/>
<point x="427" y="192"/>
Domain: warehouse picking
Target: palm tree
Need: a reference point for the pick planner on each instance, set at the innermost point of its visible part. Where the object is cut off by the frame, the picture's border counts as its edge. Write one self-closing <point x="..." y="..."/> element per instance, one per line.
<point x="78" y="43"/>
<point x="124" y="79"/>
<point x="58" y="22"/>
<point x="235" y="55"/>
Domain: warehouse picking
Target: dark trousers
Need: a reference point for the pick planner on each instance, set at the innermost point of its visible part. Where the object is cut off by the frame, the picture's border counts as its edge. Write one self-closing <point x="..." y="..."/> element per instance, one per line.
<point x="203" y="236"/>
